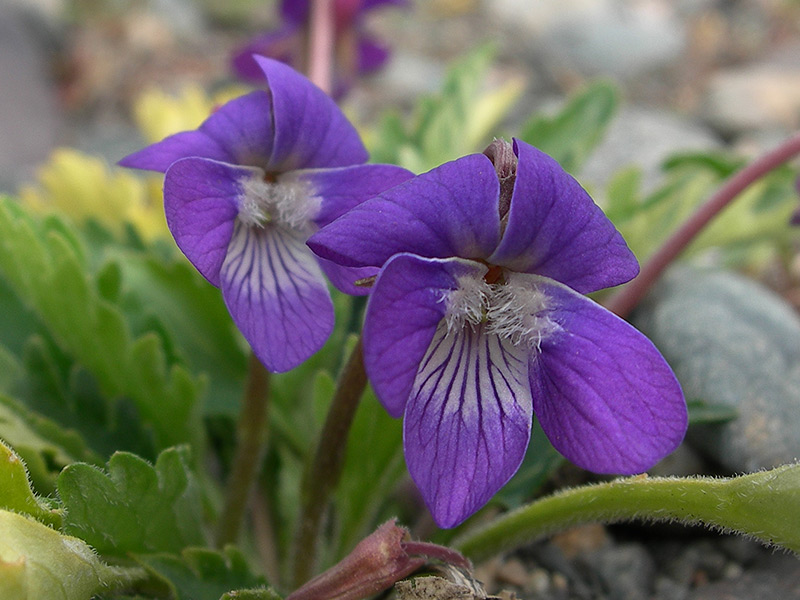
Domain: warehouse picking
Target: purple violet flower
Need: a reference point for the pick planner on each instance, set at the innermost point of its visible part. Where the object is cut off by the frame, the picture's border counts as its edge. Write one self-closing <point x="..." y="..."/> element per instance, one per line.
<point x="356" y="52"/>
<point x="243" y="192"/>
<point x="477" y="322"/>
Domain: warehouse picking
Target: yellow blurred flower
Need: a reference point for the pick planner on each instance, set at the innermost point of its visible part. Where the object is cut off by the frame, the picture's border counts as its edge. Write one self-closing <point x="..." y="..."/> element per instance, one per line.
<point x="84" y="187"/>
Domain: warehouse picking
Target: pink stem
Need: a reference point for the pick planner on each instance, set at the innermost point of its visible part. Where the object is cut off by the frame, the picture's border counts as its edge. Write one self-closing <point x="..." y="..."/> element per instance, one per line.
<point x="321" y="43"/>
<point x="624" y="301"/>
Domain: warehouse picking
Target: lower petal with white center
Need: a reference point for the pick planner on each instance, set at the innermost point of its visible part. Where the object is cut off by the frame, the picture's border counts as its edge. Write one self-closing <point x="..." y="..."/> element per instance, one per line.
<point x="468" y="420"/>
<point x="276" y="294"/>
<point x="604" y="395"/>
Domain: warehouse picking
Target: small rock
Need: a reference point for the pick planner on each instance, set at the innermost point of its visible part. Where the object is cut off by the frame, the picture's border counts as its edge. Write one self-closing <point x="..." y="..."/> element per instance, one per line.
<point x="29" y="118"/>
<point x="644" y="137"/>
<point x="512" y="572"/>
<point x="610" y="37"/>
<point x="626" y="571"/>
<point x="754" y="98"/>
<point x="586" y="538"/>
<point x="779" y="579"/>
<point x="734" y="343"/>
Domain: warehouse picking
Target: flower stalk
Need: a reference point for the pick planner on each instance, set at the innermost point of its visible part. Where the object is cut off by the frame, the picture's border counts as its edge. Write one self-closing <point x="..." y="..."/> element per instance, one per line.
<point x="761" y="505"/>
<point x="251" y="447"/>
<point x="624" y="301"/>
<point x="321" y="43"/>
<point x="322" y="476"/>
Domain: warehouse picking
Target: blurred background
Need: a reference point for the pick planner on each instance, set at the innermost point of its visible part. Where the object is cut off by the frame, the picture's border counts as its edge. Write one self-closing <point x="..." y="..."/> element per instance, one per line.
<point x="692" y="73"/>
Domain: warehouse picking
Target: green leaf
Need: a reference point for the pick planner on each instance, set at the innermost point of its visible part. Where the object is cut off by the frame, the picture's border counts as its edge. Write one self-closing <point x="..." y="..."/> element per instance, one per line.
<point x="192" y="314"/>
<point x="257" y="594"/>
<point x="373" y="468"/>
<point x="572" y="134"/>
<point x="540" y="461"/>
<point x="15" y="490"/>
<point x="762" y="505"/>
<point x="704" y="413"/>
<point x="458" y="120"/>
<point x="68" y="394"/>
<point x="203" y="574"/>
<point x="41" y="265"/>
<point x="43" y="445"/>
<point x="135" y="507"/>
<point x="38" y="562"/>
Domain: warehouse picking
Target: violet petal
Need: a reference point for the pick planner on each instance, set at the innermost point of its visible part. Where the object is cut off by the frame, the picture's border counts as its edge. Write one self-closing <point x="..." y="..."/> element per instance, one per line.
<point x="468" y="420"/>
<point x="311" y="131"/>
<point x="276" y="294"/>
<point x="344" y="188"/>
<point x="556" y="230"/>
<point x="201" y="206"/>
<point x="449" y="211"/>
<point x="403" y="312"/>
<point x="159" y="156"/>
<point x="604" y="395"/>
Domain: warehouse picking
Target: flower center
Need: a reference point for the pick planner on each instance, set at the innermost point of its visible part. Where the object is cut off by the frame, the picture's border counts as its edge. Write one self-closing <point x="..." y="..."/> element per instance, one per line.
<point x="513" y="309"/>
<point x="291" y="204"/>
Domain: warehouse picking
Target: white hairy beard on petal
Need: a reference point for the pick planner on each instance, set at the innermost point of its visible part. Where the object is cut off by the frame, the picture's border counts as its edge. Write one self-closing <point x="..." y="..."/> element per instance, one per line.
<point x="290" y="204"/>
<point x="515" y="310"/>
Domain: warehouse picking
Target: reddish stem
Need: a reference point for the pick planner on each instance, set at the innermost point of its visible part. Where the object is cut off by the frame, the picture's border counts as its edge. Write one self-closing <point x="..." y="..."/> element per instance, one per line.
<point x="321" y="44"/>
<point x="624" y="301"/>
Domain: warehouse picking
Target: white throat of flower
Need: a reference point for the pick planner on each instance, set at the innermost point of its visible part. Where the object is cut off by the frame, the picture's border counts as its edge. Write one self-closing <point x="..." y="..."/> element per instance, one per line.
<point x="513" y="310"/>
<point x="291" y="204"/>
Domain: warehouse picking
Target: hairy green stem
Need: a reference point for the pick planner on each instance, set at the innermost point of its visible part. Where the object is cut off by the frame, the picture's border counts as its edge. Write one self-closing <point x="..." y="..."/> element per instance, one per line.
<point x="624" y="301"/>
<point x="251" y="446"/>
<point x="762" y="505"/>
<point x="321" y="42"/>
<point x="322" y="476"/>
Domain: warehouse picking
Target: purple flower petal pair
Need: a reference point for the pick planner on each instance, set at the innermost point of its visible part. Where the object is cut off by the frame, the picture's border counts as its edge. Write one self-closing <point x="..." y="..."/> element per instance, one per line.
<point x="243" y="192"/>
<point x="477" y="322"/>
<point x="357" y="53"/>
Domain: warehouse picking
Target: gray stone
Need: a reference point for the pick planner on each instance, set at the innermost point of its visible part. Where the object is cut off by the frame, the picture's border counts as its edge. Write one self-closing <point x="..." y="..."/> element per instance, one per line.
<point x="735" y="343"/>
<point x="29" y="118"/>
<point x="756" y="97"/>
<point x="644" y="137"/>
<point x="592" y="37"/>
<point x="626" y="571"/>
<point x="779" y="579"/>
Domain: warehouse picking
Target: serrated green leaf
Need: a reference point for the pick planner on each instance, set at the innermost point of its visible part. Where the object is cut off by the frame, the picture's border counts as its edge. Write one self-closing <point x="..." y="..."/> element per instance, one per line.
<point x="40" y="442"/>
<point x="572" y="134"/>
<point x="135" y="507"/>
<point x="458" y="120"/>
<point x="37" y="562"/>
<point x="202" y="574"/>
<point x="16" y="493"/>
<point x="69" y="395"/>
<point x="49" y="276"/>
<point x="175" y="298"/>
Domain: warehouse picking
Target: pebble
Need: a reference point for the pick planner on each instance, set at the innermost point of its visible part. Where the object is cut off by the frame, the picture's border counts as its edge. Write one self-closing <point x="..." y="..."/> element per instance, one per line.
<point x="625" y="570"/>
<point x="610" y="37"/>
<point x="746" y="99"/>
<point x="644" y="137"/>
<point x="732" y="342"/>
<point x="29" y="118"/>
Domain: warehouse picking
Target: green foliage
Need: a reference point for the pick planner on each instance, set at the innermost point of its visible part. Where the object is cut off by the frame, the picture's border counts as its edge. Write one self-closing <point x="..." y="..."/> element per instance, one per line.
<point x="760" y="215"/>
<point x="540" y="461"/>
<point x="373" y="468"/>
<point x="134" y="507"/>
<point x="44" y="264"/>
<point x="456" y="121"/>
<point x="39" y="562"/>
<point x="570" y="135"/>
<point x="203" y="574"/>
<point x="16" y="493"/>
